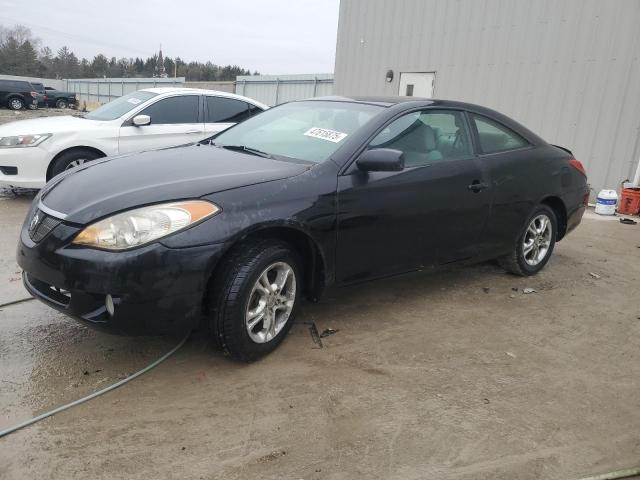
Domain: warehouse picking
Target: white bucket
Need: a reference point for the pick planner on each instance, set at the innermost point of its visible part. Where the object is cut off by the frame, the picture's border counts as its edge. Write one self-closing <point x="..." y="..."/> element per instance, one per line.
<point x="606" y="202"/>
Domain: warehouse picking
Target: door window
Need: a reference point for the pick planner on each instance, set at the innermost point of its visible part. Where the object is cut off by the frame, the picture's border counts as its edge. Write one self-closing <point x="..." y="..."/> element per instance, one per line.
<point x="229" y="110"/>
<point x="183" y="109"/>
<point x="495" y="137"/>
<point x="427" y="137"/>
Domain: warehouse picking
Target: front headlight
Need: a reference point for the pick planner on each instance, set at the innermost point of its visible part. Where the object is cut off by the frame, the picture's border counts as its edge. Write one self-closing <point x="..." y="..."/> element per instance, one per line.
<point x="143" y="225"/>
<point x="21" y="141"/>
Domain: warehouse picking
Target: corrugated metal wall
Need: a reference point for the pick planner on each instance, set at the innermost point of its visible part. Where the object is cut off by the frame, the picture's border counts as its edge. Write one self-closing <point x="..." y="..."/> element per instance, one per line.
<point x="567" y="69"/>
<point x="277" y="89"/>
<point x="47" y="82"/>
<point x="220" y="86"/>
<point x="103" y="90"/>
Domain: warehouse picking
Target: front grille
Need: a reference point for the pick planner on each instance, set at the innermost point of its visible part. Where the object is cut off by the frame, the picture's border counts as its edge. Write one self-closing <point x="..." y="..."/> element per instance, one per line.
<point x="9" y="170"/>
<point x="41" y="225"/>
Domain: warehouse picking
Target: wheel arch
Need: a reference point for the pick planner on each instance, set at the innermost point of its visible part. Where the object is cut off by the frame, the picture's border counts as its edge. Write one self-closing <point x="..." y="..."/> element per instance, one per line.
<point x="559" y="208"/>
<point x="70" y="149"/>
<point x="313" y="257"/>
<point x="16" y="95"/>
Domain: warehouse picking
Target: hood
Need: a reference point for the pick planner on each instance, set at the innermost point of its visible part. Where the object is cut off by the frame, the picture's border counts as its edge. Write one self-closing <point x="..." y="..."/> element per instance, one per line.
<point x="110" y="185"/>
<point x="63" y="123"/>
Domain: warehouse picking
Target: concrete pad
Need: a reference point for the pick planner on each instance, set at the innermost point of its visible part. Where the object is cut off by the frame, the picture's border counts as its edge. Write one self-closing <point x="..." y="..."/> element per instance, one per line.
<point x="429" y="375"/>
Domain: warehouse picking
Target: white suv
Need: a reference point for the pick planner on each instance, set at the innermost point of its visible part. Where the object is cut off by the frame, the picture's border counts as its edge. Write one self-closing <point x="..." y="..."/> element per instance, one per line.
<point x="33" y="151"/>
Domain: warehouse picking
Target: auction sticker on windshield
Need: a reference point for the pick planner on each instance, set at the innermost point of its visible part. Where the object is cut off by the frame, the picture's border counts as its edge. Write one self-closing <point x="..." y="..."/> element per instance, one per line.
<point x="325" y="134"/>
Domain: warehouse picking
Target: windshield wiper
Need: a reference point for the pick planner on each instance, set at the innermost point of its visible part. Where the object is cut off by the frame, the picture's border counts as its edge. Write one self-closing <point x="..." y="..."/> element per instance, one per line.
<point x="244" y="148"/>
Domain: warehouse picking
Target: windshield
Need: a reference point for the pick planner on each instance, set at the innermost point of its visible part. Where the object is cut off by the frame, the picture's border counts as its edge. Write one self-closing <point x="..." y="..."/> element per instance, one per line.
<point x="309" y="131"/>
<point x="120" y="106"/>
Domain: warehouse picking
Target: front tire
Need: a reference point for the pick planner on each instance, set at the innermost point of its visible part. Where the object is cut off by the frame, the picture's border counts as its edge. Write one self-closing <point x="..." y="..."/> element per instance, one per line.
<point x="535" y="245"/>
<point x="72" y="158"/>
<point x="61" y="103"/>
<point x="253" y="297"/>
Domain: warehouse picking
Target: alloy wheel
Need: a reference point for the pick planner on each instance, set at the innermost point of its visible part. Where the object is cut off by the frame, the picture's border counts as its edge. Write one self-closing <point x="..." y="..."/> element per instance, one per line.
<point x="15" y="103"/>
<point x="270" y="302"/>
<point x="537" y="240"/>
<point x="75" y="163"/>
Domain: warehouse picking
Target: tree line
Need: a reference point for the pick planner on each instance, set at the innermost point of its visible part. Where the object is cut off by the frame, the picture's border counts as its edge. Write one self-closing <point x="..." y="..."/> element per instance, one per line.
<point x="21" y="53"/>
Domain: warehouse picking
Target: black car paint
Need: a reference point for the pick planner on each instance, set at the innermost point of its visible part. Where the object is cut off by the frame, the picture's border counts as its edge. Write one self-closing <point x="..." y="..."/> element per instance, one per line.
<point x="17" y="89"/>
<point x="350" y="225"/>
<point x="50" y="96"/>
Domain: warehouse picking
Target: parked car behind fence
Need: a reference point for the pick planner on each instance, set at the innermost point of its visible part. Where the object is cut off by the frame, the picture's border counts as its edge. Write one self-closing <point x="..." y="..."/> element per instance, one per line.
<point x="18" y="94"/>
<point x="60" y="99"/>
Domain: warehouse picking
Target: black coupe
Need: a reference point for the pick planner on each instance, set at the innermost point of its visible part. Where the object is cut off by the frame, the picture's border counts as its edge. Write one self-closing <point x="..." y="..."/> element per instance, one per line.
<point x="231" y="232"/>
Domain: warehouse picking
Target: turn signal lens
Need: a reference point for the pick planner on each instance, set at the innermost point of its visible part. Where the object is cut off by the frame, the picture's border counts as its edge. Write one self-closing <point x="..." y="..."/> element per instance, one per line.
<point x="143" y="225"/>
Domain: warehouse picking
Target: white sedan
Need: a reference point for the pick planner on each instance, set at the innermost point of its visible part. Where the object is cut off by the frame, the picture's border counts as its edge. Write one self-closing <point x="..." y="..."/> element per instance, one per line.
<point x="33" y="151"/>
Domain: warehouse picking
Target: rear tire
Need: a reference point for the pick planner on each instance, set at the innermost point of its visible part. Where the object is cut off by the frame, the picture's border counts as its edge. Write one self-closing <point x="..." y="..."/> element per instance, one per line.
<point x="72" y="158"/>
<point x="15" y="103"/>
<point x="236" y="294"/>
<point x="534" y="245"/>
<point x="61" y="103"/>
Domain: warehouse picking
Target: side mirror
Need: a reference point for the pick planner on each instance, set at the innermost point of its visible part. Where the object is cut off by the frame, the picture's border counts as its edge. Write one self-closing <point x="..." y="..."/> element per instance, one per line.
<point x="381" y="160"/>
<point x="141" y="120"/>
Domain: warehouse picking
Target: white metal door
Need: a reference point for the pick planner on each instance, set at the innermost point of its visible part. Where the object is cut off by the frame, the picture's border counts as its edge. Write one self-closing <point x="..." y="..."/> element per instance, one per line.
<point x="416" y="84"/>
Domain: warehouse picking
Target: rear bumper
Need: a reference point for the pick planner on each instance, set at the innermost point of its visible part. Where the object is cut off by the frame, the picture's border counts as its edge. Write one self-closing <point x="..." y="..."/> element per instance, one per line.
<point x="575" y="218"/>
<point x="155" y="289"/>
<point x="579" y="198"/>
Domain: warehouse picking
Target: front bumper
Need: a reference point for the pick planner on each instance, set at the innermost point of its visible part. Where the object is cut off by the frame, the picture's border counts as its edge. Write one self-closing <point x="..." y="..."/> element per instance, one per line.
<point x="155" y="289"/>
<point x="31" y="164"/>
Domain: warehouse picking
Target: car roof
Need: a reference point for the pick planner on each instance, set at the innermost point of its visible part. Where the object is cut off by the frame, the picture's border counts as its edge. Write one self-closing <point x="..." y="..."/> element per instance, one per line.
<point x="390" y="101"/>
<point x="419" y="102"/>
<point x="202" y="91"/>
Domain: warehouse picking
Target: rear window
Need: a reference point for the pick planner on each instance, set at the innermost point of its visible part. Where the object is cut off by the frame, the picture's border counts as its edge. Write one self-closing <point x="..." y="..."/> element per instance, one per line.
<point x="229" y="110"/>
<point x="15" y="86"/>
<point x="495" y="137"/>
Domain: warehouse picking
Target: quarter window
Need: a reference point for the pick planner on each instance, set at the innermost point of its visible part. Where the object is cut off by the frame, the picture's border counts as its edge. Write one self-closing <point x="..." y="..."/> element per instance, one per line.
<point x="427" y="137"/>
<point x="182" y="109"/>
<point x="229" y="110"/>
<point x="495" y="137"/>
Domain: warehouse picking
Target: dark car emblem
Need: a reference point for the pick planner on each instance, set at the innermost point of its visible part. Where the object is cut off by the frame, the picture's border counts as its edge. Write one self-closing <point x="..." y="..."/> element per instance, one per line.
<point x="34" y="222"/>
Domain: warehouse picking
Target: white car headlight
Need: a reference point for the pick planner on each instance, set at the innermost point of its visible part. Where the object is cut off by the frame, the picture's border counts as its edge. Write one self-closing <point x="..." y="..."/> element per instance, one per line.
<point x="21" y="141"/>
<point x="143" y="225"/>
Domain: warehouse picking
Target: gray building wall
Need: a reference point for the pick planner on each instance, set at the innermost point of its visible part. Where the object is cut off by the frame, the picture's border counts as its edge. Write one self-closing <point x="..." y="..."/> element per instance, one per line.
<point x="567" y="69"/>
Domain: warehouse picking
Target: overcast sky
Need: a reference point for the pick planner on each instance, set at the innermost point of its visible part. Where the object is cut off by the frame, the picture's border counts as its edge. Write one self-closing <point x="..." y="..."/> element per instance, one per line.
<point x="272" y="36"/>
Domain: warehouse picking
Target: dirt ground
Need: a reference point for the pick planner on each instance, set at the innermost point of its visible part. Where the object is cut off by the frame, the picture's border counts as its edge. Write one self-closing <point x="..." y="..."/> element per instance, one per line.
<point x="7" y="115"/>
<point x="443" y="375"/>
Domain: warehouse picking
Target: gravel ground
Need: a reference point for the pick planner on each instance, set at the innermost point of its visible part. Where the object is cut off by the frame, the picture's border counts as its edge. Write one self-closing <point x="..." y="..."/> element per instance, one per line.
<point x="454" y="374"/>
<point x="7" y="115"/>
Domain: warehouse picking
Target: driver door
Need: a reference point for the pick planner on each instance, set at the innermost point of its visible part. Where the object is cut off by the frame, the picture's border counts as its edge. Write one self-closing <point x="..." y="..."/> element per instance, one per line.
<point x="175" y="121"/>
<point x="394" y="222"/>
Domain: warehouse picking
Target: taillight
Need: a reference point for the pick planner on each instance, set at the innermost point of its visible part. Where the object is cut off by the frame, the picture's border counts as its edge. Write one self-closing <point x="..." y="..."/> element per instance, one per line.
<point x="34" y="94"/>
<point x="577" y="164"/>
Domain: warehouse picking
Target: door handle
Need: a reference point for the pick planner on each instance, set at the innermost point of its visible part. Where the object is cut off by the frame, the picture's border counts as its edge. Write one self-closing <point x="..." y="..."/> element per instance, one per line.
<point x="477" y="186"/>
